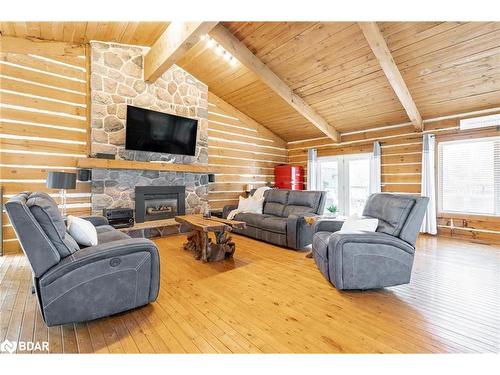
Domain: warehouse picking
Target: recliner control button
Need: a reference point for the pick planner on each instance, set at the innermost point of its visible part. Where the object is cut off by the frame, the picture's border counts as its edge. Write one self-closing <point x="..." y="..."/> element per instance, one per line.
<point x="115" y="262"/>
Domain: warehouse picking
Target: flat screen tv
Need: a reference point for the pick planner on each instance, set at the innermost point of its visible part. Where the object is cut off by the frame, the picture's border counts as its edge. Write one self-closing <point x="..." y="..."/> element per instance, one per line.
<point x="154" y="131"/>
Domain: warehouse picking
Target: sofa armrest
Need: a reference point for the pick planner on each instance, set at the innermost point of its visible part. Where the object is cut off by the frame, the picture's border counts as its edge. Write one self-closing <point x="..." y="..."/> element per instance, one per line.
<point x="298" y="232"/>
<point x="96" y="220"/>
<point x="328" y="225"/>
<point x="227" y="209"/>
<point x="337" y="240"/>
<point x="113" y="249"/>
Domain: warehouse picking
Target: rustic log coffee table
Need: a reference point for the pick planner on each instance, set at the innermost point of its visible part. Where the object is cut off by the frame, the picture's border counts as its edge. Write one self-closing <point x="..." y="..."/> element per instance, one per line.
<point x="201" y="244"/>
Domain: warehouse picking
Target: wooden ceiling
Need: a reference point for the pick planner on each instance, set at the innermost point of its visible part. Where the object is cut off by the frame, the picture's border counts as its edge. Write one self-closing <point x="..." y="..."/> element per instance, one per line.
<point x="140" y="33"/>
<point x="448" y="67"/>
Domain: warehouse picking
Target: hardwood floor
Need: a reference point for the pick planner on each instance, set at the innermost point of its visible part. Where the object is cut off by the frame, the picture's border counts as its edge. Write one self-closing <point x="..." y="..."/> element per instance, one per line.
<point x="273" y="300"/>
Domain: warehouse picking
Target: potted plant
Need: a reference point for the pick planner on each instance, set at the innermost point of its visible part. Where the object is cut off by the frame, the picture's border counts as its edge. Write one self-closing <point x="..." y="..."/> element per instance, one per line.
<point x="332" y="209"/>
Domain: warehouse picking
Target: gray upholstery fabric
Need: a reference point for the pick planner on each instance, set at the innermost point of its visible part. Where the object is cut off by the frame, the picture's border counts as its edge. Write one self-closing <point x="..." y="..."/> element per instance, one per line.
<point x="273" y="224"/>
<point x="275" y="201"/>
<point x="274" y="209"/>
<point x="411" y="228"/>
<point x="368" y="260"/>
<point x="391" y="210"/>
<point x="46" y="212"/>
<point x="103" y="228"/>
<point x="110" y="235"/>
<point x="250" y="218"/>
<point x="297" y="210"/>
<point x="299" y="232"/>
<point x="118" y="274"/>
<point x="328" y="225"/>
<point x="263" y="235"/>
<point x="38" y="248"/>
<point x="282" y="223"/>
<point x="277" y="196"/>
<point x="304" y="198"/>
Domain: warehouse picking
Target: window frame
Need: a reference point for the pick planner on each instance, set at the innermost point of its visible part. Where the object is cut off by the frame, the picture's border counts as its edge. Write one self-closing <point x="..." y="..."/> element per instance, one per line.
<point x="445" y="138"/>
<point x="343" y="169"/>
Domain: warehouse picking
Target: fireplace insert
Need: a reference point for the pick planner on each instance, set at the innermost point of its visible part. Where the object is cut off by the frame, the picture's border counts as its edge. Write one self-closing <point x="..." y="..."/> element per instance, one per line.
<point x="159" y="202"/>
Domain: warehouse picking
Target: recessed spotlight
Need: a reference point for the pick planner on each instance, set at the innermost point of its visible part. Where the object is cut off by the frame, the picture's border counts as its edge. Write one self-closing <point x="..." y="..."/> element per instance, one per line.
<point x="210" y="42"/>
<point x="203" y="37"/>
<point x="219" y="50"/>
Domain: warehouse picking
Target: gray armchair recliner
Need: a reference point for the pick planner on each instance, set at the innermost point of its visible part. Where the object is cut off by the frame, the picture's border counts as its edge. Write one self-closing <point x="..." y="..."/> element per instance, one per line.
<point x="370" y="260"/>
<point x="73" y="284"/>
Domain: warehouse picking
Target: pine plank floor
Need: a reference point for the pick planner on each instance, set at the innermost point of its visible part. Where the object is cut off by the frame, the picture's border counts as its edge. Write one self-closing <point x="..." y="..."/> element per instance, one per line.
<point x="271" y="300"/>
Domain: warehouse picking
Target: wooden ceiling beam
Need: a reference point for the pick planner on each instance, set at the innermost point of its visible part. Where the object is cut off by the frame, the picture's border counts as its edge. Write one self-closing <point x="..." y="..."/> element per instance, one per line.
<point x="379" y="47"/>
<point x="173" y="43"/>
<point x="41" y="47"/>
<point x="236" y="48"/>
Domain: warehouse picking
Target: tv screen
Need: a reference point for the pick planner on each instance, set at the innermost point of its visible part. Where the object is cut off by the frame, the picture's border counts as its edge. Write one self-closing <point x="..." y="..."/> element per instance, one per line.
<point x="160" y="132"/>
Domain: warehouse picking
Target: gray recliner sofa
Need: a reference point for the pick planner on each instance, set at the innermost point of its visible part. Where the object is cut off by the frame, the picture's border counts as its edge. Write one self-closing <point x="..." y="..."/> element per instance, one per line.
<point x="73" y="284"/>
<point x="282" y="220"/>
<point x="370" y="260"/>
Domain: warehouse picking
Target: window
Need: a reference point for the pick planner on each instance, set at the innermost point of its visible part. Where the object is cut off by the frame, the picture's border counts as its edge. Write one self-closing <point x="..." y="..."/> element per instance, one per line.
<point x="469" y="176"/>
<point x="346" y="179"/>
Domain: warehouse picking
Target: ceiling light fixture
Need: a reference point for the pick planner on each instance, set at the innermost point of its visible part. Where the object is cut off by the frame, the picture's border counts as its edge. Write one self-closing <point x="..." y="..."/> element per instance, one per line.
<point x="210" y="42"/>
<point x="219" y="50"/>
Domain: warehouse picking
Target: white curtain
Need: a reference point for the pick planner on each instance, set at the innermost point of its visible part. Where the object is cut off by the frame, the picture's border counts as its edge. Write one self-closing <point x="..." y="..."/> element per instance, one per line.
<point x="429" y="184"/>
<point x="312" y="169"/>
<point x="375" y="169"/>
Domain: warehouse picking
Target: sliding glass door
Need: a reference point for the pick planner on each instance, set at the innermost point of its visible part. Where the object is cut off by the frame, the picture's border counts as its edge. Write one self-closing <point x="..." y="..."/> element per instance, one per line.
<point x="328" y="177"/>
<point x="346" y="178"/>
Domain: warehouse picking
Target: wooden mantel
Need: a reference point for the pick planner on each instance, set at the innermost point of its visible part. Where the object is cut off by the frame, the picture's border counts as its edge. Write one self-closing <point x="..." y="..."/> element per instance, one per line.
<point x="143" y="165"/>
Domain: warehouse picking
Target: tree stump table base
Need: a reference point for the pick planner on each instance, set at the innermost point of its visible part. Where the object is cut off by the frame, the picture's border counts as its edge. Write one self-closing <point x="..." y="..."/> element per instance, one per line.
<point x="199" y="242"/>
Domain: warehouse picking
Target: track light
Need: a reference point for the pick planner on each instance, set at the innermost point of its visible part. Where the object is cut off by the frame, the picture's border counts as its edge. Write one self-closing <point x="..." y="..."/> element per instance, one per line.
<point x="219" y="50"/>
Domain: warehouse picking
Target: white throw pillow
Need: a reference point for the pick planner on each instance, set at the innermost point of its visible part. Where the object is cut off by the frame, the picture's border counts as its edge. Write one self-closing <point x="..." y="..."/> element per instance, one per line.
<point x="255" y="205"/>
<point x="355" y="225"/>
<point x="243" y="204"/>
<point x="83" y="231"/>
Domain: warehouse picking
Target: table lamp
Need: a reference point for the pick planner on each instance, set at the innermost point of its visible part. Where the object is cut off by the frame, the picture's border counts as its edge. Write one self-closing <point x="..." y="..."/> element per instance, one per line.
<point x="62" y="181"/>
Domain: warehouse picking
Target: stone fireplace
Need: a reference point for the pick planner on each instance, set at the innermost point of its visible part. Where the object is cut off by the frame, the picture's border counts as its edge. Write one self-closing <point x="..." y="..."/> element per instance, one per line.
<point x="159" y="202"/>
<point x="117" y="81"/>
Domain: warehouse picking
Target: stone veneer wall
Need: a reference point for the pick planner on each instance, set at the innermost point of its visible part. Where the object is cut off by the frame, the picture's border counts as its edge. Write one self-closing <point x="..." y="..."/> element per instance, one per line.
<point x="117" y="80"/>
<point x="116" y="188"/>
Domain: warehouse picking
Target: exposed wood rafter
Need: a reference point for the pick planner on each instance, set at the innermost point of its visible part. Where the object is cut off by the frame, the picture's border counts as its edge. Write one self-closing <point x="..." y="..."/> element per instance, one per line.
<point x="176" y="40"/>
<point x="234" y="46"/>
<point x="41" y="47"/>
<point x="383" y="54"/>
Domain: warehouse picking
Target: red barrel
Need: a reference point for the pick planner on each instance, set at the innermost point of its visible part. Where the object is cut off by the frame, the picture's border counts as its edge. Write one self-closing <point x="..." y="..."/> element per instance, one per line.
<point x="289" y="177"/>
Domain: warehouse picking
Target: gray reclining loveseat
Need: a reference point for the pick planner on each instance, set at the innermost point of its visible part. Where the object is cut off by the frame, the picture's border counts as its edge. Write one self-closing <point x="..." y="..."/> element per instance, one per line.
<point x="369" y="260"/>
<point x="282" y="220"/>
<point x="73" y="284"/>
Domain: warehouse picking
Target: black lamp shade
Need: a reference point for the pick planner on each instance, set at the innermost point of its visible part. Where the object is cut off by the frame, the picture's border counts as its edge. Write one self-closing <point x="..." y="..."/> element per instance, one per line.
<point x="211" y="177"/>
<point x="61" y="180"/>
